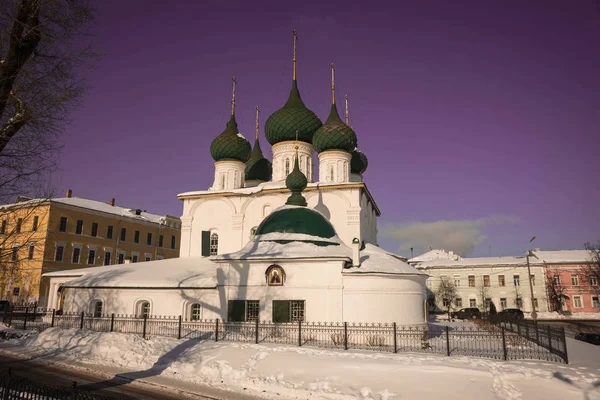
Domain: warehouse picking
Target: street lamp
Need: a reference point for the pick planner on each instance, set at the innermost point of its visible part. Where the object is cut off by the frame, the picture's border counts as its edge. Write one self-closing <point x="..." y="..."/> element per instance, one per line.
<point x="533" y="312"/>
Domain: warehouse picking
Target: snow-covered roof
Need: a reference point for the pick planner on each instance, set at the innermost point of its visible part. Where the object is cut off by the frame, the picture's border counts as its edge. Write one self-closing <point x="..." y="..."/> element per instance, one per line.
<point x="477" y="261"/>
<point x="435" y="254"/>
<point x="374" y="259"/>
<point x="188" y="272"/>
<point x="563" y="256"/>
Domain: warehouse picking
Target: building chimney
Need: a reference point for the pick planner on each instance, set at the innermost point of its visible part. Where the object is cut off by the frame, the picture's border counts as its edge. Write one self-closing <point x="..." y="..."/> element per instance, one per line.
<point x="355" y="252"/>
<point x="112" y="201"/>
<point x="69" y="193"/>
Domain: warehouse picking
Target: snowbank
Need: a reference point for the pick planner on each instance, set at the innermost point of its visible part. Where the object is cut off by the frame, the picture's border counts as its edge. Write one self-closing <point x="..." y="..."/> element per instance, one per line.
<point x="574" y="316"/>
<point x="302" y="373"/>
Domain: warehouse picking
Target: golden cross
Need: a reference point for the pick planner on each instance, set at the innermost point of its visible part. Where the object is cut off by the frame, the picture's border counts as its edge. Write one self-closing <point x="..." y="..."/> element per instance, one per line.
<point x="346" y="98"/>
<point x="332" y="84"/>
<point x="233" y="95"/>
<point x="294" y="59"/>
<point x="257" y="111"/>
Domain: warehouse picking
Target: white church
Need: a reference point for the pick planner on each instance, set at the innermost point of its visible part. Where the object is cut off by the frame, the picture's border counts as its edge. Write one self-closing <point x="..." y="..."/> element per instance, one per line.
<point x="266" y="241"/>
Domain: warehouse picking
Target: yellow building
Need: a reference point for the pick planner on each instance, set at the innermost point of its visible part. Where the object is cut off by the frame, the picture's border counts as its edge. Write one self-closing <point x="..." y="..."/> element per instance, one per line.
<point x="45" y="235"/>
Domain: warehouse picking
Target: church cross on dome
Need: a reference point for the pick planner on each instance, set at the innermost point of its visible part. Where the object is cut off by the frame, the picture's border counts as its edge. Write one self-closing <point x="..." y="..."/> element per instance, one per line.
<point x="233" y="95"/>
<point x="256" y="127"/>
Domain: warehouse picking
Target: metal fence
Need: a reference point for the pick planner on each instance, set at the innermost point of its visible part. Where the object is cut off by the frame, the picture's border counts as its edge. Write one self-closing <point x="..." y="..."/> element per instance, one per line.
<point x="508" y="341"/>
<point x="14" y="387"/>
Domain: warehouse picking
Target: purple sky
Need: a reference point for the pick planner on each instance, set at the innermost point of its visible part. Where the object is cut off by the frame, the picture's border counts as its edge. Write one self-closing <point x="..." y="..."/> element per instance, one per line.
<point x="484" y="115"/>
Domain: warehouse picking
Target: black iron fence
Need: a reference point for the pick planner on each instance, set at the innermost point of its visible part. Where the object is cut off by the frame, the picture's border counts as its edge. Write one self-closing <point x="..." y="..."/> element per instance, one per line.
<point x="14" y="387"/>
<point x="504" y="342"/>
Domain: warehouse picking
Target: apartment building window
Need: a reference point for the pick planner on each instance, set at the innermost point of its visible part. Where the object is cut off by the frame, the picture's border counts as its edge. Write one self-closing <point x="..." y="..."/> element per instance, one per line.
<point x="79" y="227"/>
<point x="149" y="239"/>
<point x="109" y="232"/>
<point x="595" y="302"/>
<point x="486" y="280"/>
<point x="147" y="257"/>
<point x="121" y="258"/>
<point x="91" y="257"/>
<point x="593" y="281"/>
<point x="63" y="224"/>
<point x="501" y="281"/>
<point x="577" y="303"/>
<point x="15" y="253"/>
<point x="3" y="227"/>
<point x="94" y="229"/>
<point x="516" y="280"/>
<point x="76" y="255"/>
<point x="136" y="237"/>
<point x="134" y="258"/>
<point x="16" y="291"/>
<point x="107" y="257"/>
<point x="574" y="280"/>
<point x="160" y="241"/>
<point x="472" y="302"/>
<point x="471" y="280"/>
<point x="503" y="303"/>
<point x="532" y="277"/>
<point x="31" y="252"/>
<point x="36" y="220"/>
<point x="123" y="234"/>
<point x="556" y="279"/>
<point x="19" y="224"/>
<point x="445" y="303"/>
<point x="172" y="241"/>
<point x="519" y="302"/>
<point x="487" y="303"/>
<point x="457" y="280"/>
<point x="242" y="310"/>
<point x="60" y="250"/>
<point x="458" y="302"/>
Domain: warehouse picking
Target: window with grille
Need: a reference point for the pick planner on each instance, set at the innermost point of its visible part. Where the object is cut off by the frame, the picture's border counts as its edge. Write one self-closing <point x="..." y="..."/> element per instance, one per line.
<point x="574" y="280"/>
<point x="288" y="310"/>
<point x="149" y="239"/>
<point x="36" y="220"/>
<point x="486" y="280"/>
<point x="471" y="280"/>
<point x="252" y="310"/>
<point x="79" y="227"/>
<point x="97" y="309"/>
<point x="76" y="254"/>
<point x="501" y="280"/>
<point x="516" y="280"/>
<point x="242" y="310"/>
<point x="107" y="257"/>
<point x="503" y="303"/>
<point x="59" y="253"/>
<point x="214" y="244"/>
<point x="91" y="257"/>
<point x="297" y="310"/>
<point x="143" y="309"/>
<point x="31" y="252"/>
<point x="94" y="229"/>
<point x="195" y="312"/>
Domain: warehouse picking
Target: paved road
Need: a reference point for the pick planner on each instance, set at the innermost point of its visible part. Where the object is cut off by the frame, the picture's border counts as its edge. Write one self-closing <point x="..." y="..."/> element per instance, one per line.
<point x="115" y="388"/>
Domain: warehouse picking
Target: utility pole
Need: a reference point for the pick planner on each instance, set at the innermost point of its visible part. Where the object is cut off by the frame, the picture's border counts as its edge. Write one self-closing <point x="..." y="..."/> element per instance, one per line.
<point x="533" y="312"/>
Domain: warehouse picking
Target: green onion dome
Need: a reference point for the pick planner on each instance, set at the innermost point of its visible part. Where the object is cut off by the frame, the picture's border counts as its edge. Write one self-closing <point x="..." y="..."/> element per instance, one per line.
<point x="258" y="168"/>
<point x="334" y="134"/>
<point x="230" y="145"/>
<point x="296" y="181"/>
<point x="293" y="117"/>
<point x="359" y="162"/>
<point x="296" y="219"/>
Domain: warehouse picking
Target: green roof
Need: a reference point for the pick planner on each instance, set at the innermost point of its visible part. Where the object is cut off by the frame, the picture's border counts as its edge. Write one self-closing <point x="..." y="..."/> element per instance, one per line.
<point x="291" y="219"/>
<point x="230" y="144"/>
<point x="334" y="134"/>
<point x="359" y="162"/>
<point x="293" y="117"/>
<point x="258" y="167"/>
<point x="296" y="181"/>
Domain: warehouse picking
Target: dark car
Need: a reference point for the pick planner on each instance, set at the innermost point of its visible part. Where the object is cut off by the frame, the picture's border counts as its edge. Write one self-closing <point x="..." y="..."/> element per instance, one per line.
<point x="509" y="314"/>
<point x="593" y="338"/>
<point x="4" y="305"/>
<point x="466" y="313"/>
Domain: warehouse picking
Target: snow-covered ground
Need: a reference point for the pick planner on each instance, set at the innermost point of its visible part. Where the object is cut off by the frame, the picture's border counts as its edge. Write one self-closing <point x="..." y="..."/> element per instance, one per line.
<point x="574" y="316"/>
<point x="275" y="371"/>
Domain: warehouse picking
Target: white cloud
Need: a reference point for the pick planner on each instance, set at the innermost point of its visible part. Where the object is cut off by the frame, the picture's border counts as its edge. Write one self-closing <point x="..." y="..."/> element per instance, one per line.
<point x="461" y="236"/>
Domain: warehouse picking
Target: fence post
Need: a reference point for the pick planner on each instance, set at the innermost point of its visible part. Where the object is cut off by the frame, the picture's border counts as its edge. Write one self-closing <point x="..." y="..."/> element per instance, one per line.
<point x="53" y="315"/>
<point x="12" y="309"/>
<point x="26" y="315"/>
<point x="4" y="313"/>
<point x="179" y="332"/>
<point x="299" y="332"/>
<point x="527" y="331"/>
<point x="144" y="328"/>
<point x="345" y="336"/>
<point x="448" y="340"/>
<point x="395" y="339"/>
<point x="81" y="322"/>
<point x="564" y="341"/>
<point x="112" y="322"/>
<point x="74" y="390"/>
<point x="504" y="349"/>
<point x="549" y="339"/>
<point x="7" y="388"/>
<point x="256" y="331"/>
<point x="216" y="329"/>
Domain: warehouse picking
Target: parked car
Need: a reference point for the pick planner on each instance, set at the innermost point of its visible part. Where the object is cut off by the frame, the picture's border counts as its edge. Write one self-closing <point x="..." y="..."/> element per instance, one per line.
<point x="593" y="338"/>
<point x="466" y="313"/>
<point x="509" y="314"/>
<point x="4" y="305"/>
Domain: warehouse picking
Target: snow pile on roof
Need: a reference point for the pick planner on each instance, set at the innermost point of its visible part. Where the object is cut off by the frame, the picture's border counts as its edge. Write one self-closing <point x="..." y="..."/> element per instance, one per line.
<point x="374" y="259"/>
<point x="301" y="237"/>
<point x="563" y="256"/>
<point x="260" y="187"/>
<point x="260" y="249"/>
<point x="478" y="261"/>
<point x="188" y="272"/>
<point x="289" y="372"/>
<point x="107" y="208"/>
<point x="435" y="254"/>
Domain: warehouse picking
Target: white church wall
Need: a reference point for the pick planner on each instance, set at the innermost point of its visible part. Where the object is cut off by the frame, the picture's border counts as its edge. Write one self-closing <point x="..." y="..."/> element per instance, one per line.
<point x="384" y="298"/>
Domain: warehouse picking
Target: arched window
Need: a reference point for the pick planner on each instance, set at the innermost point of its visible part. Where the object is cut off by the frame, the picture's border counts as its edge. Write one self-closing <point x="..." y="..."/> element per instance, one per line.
<point x="195" y="312"/>
<point x="143" y="309"/>
<point x="172" y="241"/>
<point x="331" y="174"/>
<point x="287" y="166"/>
<point x="222" y="181"/>
<point x="214" y="244"/>
<point x="97" y="309"/>
<point x="237" y="178"/>
<point x="345" y="170"/>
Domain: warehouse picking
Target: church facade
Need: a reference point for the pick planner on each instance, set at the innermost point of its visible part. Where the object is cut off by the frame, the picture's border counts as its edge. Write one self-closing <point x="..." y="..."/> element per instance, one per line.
<point x="250" y="250"/>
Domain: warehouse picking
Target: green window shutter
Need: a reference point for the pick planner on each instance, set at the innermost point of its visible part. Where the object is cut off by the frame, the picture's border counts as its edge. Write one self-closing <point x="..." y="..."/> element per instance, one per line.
<point x="236" y="310"/>
<point x="205" y="243"/>
<point x="281" y="311"/>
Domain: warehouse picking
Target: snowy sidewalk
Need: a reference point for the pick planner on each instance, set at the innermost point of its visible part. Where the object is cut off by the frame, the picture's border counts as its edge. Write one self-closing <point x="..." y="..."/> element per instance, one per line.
<point x="274" y="371"/>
